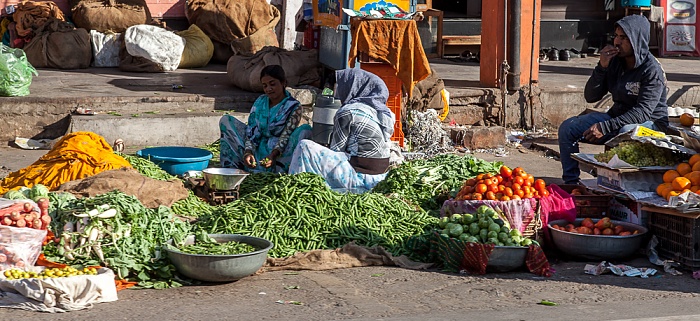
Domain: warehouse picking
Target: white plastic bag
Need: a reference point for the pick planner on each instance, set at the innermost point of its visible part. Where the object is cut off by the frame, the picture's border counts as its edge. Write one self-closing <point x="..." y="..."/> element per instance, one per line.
<point x="58" y="294"/>
<point x="155" y="44"/>
<point x="19" y="247"/>
<point x="105" y="49"/>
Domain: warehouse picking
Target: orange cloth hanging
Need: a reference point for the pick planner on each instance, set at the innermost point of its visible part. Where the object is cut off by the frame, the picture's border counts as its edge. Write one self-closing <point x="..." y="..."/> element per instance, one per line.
<point x="395" y="42"/>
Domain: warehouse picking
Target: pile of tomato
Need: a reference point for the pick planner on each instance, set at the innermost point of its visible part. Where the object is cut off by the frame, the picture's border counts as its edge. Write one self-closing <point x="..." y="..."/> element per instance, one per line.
<point x="508" y="185"/>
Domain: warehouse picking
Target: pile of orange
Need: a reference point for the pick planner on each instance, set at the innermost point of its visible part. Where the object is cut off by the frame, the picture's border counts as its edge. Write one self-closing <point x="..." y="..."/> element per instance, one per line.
<point x="507" y="185"/>
<point x="686" y="177"/>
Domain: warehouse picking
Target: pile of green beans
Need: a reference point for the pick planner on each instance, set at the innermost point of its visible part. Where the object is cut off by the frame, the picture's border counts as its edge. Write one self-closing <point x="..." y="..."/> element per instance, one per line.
<point x="192" y="206"/>
<point x="147" y="168"/>
<point x="228" y="248"/>
<point x="300" y="213"/>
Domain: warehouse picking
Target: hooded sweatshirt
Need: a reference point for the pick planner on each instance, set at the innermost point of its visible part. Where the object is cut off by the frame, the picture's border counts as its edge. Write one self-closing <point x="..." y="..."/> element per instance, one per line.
<point x="363" y="126"/>
<point x="639" y="94"/>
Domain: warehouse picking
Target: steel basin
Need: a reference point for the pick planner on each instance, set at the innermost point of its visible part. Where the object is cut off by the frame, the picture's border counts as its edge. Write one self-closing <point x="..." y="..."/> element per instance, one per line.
<point x="223" y="179"/>
<point x="220" y="268"/>
<point x="598" y="247"/>
<point x="506" y="258"/>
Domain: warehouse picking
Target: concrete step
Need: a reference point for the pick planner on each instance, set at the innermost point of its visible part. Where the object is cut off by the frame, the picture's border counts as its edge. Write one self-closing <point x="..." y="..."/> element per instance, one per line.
<point x="177" y="129"/>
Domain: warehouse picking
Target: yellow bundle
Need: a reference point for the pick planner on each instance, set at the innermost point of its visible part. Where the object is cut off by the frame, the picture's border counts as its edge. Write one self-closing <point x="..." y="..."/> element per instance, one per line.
<point x="77" y="155"/>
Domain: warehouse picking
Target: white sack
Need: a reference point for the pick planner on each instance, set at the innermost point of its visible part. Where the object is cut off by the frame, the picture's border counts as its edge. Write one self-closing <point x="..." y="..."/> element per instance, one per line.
<point x="105" y="49"/>
<point x="155" y="44"/>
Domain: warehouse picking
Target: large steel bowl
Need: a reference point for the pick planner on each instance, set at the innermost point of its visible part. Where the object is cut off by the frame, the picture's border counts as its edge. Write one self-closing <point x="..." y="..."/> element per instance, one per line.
<point x="597" y="247"/>
<point x="223" y="179"/>
<point x="220" y="268"/>
<point x="506" y="258"/>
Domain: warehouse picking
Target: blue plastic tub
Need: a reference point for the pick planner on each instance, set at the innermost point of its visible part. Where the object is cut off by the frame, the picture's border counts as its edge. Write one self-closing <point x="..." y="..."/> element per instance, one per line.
<point x="176" y="160"/>
<point x="635" y="3"/>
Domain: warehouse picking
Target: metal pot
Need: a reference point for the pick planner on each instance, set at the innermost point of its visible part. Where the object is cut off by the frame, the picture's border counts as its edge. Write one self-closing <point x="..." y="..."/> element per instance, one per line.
<point x="597" y="247"/>
<point x="223" y="179"/>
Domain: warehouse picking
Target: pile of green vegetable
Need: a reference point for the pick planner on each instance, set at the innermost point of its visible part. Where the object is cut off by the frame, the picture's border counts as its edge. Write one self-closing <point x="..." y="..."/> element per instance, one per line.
<point x="147" y="168"/>
<point x="206" y="245"/>
<point x="484" y="226"/>
<point x="428" y="182"/>
<point x="115" y="230"/>
<point x="35" y="193"/>
<point x="300" y="213"/>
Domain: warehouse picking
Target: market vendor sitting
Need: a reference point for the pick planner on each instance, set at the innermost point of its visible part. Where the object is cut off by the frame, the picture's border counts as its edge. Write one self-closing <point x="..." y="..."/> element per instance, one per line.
<point x="358" y="157"/>
<point x="273" y="132"/>
<point x="637" y="83"/>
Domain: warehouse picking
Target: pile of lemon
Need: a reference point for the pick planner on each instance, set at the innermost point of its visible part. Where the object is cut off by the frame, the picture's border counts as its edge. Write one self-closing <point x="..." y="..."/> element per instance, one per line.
<point x="17" y="274"/>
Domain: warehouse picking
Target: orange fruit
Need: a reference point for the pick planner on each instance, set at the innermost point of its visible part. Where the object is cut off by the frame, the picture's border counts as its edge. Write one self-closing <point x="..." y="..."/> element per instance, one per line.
<point x="694" y="177"/>
<point x="670" y="175"/>
<point x="694" y="159"/>
<point x="680" y="183"/>
<point x="696" y="166"/>
<point x="672" y="193"/>
<point x="684" y="168"/>
<point x="687" y="120"/>
<point x="661" y="189"/>
<point x="694" y="188"/>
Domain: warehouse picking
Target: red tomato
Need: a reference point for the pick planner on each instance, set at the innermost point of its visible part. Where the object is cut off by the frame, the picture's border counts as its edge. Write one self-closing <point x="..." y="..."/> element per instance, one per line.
<point x="481" y="188"/>
<point x="518" y="180"/>
<point x="540" y="184"/>
<point x="508" y="192"/>
<point x="505" y="171"/>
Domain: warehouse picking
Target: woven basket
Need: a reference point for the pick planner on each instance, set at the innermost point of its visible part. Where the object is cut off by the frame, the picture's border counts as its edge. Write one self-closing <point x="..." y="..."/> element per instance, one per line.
<point x="534" y="229"/>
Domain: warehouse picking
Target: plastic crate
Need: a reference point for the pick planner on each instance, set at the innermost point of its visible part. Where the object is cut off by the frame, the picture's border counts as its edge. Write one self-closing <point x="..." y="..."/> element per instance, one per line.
<point x="387" y="73"/>
<point x="589" y="204"/>
<point x="679" y="238"/>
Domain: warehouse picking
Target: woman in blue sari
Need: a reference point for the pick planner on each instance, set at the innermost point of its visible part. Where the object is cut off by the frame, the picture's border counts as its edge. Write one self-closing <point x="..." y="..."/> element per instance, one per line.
<point x="273" y="132"/>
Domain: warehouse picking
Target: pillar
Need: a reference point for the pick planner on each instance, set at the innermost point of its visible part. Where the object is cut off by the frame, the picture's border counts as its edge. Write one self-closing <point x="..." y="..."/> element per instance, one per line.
<point x="493" y="49"/>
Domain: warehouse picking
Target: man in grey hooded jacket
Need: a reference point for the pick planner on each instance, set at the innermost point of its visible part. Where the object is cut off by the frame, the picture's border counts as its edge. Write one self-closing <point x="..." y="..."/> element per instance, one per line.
<point x="637" y="84"/>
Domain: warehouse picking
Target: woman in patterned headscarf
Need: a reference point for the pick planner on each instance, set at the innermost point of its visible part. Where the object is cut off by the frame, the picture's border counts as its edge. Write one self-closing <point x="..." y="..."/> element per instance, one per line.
<point x="358" y="157"/>
<point x="273" y="132"/>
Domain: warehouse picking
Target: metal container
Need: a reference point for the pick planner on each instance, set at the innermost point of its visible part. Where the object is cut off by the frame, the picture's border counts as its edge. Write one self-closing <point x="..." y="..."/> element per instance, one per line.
<point x="597" y="247"/>
<point x="220" y="268"/>
<point x="223" y="179"/>
<point x="324" y="112"/>
<point x="506" y="258"/>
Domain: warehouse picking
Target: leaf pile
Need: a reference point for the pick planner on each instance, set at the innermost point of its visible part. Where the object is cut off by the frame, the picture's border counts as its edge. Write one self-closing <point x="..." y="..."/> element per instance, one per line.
<point x="428" y="181"/>
<point x="132" y="239"/>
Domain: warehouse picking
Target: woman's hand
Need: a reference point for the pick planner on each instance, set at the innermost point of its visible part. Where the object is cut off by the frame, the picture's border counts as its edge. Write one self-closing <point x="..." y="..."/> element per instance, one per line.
<point x="268" y="161"/>
<point x="249" y="160"/>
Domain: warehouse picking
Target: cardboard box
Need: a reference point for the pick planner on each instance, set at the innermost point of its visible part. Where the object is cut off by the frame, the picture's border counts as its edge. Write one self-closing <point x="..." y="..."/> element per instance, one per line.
<point x="634" y="182"/>
<point x="628" y="211"/>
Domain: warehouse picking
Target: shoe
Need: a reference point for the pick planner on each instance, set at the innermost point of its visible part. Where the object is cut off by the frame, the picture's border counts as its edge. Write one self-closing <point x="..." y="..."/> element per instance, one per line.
<point x="564" y="55"/>
<point x="553" y="54"/>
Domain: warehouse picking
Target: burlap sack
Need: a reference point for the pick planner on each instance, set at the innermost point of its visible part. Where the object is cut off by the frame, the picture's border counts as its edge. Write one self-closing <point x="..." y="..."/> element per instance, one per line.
<point x="263" y="37"/>
<point x="198" y="48"/>
<point x="300" y="67"/>
<point x="426" y="94"/>
<point x="222" y="52"/>
<point x="225" y="21"/>
<point x="58" y="45"/>
<point x="350" y="255"/>
<point x="151" y="192"/>
<point x="110" y="15"/>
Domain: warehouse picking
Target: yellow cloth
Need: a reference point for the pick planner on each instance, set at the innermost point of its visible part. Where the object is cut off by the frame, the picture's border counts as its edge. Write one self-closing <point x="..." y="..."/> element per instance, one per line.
<point x="395" y="42"/>
<point x="77" y="155"/>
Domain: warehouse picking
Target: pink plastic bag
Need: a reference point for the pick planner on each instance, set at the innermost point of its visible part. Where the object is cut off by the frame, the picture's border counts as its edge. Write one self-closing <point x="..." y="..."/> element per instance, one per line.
<point x="559" y="205"/>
